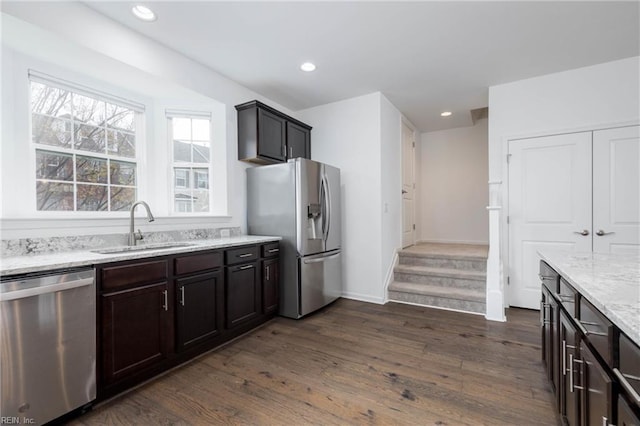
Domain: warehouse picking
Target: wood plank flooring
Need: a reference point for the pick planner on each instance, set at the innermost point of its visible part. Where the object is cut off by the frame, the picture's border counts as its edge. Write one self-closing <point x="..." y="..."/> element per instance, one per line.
<point x="356" y="363"/>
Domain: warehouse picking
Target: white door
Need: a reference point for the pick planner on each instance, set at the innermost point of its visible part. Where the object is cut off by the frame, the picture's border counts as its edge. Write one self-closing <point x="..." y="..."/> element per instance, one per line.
<point x="549" y="206"/>
<point x="616" y="190"/>
<point x="408" y="190"/>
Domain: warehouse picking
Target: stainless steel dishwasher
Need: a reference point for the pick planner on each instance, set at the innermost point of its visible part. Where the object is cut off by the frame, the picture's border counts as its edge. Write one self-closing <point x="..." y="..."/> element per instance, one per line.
<point x="47" y="345"/>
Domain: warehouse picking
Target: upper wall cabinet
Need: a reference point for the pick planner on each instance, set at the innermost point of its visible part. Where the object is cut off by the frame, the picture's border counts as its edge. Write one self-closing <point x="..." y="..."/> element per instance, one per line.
<point x="266" y="135"/>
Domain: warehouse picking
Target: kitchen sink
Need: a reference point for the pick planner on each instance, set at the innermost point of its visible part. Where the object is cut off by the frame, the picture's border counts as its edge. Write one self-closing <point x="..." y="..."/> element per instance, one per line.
<point x="146" y="247"/>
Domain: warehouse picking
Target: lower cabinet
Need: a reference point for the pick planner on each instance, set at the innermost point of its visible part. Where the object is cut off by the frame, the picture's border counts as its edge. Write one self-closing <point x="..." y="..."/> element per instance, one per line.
<point x="199" y="309"/>
<point x="626" y="415"/>
<point x="135" y="330"/>
<point x="595" y="390"/>
<point x="243" y="295"/>
<point x="157" y="313"/>
<point x="569" y="406"/>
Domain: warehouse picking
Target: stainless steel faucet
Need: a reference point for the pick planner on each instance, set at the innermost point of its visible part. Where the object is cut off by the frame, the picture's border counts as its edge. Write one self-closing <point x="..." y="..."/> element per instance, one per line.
<point x="133" y="237"/>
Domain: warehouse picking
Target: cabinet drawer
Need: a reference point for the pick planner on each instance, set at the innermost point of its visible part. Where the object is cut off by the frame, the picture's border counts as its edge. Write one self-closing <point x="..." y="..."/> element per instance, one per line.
<point x="597" y="329"/>
<point x="241" y="255"/>
<point x="549" y="277"/>
<point x="270" y="250"/>
<point x="115" y="277"/>
<point x="197" y="262"/>
<point x="567" y="296"/>
<point x="630" y="362"/>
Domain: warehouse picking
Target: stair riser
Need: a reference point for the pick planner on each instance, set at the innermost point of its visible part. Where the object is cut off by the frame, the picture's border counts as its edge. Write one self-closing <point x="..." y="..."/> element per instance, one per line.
<point x="440" y="281"/>
<point x="419" y="299"/>
<point x="479" y="265"/>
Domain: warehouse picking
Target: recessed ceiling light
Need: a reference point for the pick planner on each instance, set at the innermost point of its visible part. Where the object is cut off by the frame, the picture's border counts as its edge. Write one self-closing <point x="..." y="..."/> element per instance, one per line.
<point x="144" y="13"/>
<point x="307" y="67"/>
<point x="445" y="113"/>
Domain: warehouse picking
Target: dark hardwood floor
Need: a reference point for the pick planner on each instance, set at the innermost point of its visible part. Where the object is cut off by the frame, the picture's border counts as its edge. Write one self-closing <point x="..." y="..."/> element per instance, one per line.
<point x="356" y="363"/>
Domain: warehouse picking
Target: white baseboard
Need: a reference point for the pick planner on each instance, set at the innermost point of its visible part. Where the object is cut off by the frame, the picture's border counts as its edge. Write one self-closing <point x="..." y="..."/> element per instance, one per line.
<point x="484" y="243"/>
<point x="363" y="297"/>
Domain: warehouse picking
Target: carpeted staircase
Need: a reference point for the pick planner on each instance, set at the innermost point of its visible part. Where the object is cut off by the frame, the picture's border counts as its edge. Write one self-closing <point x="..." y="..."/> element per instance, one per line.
<point x="449" y="276"/>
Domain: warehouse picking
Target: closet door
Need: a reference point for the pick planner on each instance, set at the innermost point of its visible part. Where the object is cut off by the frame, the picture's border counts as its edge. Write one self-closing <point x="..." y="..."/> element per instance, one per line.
<point x="616" y="190"/>
<point x="549" y="206"/>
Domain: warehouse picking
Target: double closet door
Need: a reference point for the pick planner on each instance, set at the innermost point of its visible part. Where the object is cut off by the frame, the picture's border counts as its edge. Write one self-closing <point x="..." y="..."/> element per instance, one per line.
<point x="577" y="191"/>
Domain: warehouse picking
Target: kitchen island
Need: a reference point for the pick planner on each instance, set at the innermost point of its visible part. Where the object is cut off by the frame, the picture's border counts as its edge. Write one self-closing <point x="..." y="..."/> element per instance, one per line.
<point x="590" y="320"/>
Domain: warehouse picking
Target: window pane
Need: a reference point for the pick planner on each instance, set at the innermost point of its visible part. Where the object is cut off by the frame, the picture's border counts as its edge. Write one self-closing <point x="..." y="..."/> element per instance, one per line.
<point x="201" y="200"/>
<point x="54" y="196"/>
<point x="181" y="128"/>
<point x="51" y="131"/>
<point x="183" y="201"/>
<point x="120" y="117"/>
<point x="121" y="144"/>
<point x="91" y="169"/>
<point x="122" y="198"/>
<point x="181" y="152"/>
<point x="51" y="165"/>
<point x="50" y="101"/>
<point x="92" y="198"/>
<point x="201" y="178"/>
<point x="201" y="129"/>
<point x="181" y="178"/>
<point x="123" y="173"/>
<point x="201" y="152"/>
<point x="90" y="138"/>
<point x="88" y="110"/>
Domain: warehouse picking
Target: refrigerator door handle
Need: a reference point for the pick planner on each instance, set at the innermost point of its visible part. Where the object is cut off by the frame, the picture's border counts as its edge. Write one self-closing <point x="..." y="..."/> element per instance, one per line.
<point x="321" y="259"/>
<point x="327" y="206"/>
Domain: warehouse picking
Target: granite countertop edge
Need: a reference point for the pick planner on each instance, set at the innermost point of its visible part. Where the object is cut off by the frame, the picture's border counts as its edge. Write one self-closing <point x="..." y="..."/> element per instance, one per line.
<point x="589" y="273"/>
<point x="16" y="265"/>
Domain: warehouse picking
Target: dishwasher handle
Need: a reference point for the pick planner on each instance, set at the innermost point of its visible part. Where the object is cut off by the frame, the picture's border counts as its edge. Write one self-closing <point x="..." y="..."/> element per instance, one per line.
<point x="45" y="289"/>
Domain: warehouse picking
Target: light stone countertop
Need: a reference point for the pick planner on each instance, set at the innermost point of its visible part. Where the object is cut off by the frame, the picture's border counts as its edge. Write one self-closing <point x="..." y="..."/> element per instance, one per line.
<point x="43" y="262"/>
<point x="611" y="282"/>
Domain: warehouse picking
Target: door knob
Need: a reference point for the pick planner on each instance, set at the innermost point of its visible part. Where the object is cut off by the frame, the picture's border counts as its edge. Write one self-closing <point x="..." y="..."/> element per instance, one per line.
<point x="600" y="233"/>
<point x="404" y="192"/>
<point x="584" y="232"/>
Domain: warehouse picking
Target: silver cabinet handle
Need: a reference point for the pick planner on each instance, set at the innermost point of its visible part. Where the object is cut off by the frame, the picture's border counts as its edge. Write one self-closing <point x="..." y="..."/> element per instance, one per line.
<point x="564" y="357"/>
<point x="572" y="385"/>
<point x="242" y="268"/>
<point x="583" y="329"/>
<point x="268" y="274"/>
<point x="165" y="305"/>
<point x="566" y="297"/>
<point x="245" y="255"/>
<point x="600" y="233"/>
<point x="584" y="232"/>
<point x="182" y="295"/>
<point x="622" y="378"/>
<point x="290" y="152"/>
<point x="275" y="250"/>
<point x="546" y="277"/>
<point x="605" y="421"/>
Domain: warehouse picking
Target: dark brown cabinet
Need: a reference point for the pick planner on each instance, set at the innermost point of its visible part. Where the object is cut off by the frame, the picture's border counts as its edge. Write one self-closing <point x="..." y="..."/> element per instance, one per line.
<point x="270" y="285"/>
<point x="569" y="406"/>
<point x="626" y="415"/>
<point x="135" y="332"/>
<point x="243" y="295"/>
<point x="595" y="390"/>
<point x="265" y="135"/>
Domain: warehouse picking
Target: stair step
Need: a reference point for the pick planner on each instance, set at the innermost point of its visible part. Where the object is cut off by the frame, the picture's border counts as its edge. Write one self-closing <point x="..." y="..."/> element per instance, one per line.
<point x="438" y="291"/>
<point x="447" y="278"/>
<point x="449" y="261"/>
<point x="438" y="302"/>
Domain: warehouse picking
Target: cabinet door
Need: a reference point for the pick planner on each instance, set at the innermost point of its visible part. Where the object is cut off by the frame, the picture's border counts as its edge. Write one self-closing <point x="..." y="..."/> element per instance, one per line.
<point x="270" y="285"/>
<point x="135" y="329"/>
<point x="626" y="415"/>
<point x="199" y="309"/>
<point x="569" y="401"/>
<point x="298" y="141"/>
<point x="243" y="295"/>
<point x="547" y="328"/>
<point x="271" y="135"/>
<point x="596" y="390"/>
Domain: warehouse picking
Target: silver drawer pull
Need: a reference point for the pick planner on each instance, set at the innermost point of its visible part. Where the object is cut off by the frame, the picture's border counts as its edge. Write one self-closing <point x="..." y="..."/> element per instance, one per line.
<point x="245" y="255"/>
<point x="622" y="378"/>
<point x="165" y="305"/>
<point x="589" y="332"/>
<point x="546" y="277"/>
<point x="182" y="295"/>
<point x="573" y="386"/>
<point x="273" y="250"/>
<point x="566" y="297"/>
<point x="242" y="268"/>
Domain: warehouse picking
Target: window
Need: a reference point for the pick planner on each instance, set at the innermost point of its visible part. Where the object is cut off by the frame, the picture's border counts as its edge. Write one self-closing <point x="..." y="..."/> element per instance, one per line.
<point x="85" y="149"/>
<point x="191" y="165"/>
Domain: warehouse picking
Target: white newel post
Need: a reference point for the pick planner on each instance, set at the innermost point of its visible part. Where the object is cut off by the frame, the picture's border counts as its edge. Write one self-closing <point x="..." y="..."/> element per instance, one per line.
<point x="495" y="294"/>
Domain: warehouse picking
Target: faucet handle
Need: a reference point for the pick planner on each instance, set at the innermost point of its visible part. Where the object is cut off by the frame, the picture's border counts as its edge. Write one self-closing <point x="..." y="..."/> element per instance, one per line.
<point x="138" y="235"/>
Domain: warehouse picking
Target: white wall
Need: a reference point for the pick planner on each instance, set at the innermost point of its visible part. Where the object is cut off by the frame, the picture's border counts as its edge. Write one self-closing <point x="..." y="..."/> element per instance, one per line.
<point x="75" y="23"/>
<point x="452" y="185"/>
<point x="599" y="96"/>
<point x="346" y="135"/>
<point x="391" y="186"/>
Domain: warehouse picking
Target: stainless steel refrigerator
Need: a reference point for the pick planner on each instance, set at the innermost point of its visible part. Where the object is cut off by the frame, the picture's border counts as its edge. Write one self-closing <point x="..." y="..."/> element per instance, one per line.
<point x="300" y="201"/>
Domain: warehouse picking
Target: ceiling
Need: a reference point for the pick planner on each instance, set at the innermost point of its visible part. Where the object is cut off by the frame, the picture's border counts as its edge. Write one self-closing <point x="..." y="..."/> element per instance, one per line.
<point x="425" y="57"/>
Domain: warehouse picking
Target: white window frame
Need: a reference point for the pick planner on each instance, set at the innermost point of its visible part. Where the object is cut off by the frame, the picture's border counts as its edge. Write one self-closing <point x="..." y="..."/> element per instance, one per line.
<point x="75" y="88"/>
<point x="191" y="166"/>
